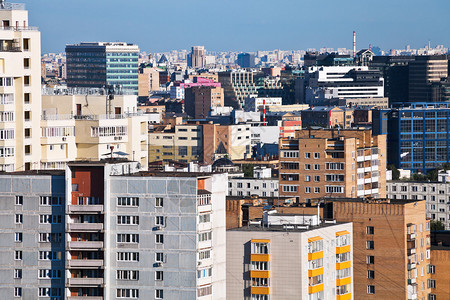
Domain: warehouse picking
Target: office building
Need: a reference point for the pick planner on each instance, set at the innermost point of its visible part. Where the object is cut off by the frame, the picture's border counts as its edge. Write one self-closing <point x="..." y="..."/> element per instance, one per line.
<point x="200" y="99"/>
<point x="20" y="92"/>
<point x="321" y="83"/>
<point x="290" y="257"/>
<point x="261" y="104"/>
<point x="417" y="135"/>
<point x="197" y="57"/>
<point x="246" y="60"/>
<point x="425" y="71"/>
<point x="106" y="231"/>
<point x="99" y="65"/>
<point x="86" y="125"/>
<point x="434" y="193"/>
<point x="391" y="246"/>
<point x="333" y="163"/>
<point x="239" y="85"/>
<point x="312" y="58"/>
<point x="328" y="117"/>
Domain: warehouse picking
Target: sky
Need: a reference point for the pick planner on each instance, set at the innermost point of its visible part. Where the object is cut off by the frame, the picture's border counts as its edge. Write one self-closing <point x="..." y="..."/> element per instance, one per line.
<point x="241" y="25"/>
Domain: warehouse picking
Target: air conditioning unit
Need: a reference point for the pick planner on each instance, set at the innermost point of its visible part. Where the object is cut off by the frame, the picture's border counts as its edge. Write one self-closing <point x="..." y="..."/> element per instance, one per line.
<point x="159" y="264"/>
<point x="159" y="227"/>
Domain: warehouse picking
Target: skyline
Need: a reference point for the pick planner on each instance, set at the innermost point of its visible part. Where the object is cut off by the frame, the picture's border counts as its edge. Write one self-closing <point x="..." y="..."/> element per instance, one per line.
<point x="246" y="29"/>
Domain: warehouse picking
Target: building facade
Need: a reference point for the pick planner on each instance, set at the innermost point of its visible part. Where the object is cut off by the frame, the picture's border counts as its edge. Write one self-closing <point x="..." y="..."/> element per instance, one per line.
<point x="85" y="233"/>
<point x="262" y="187"/>
<point x="102" y="64"/>
<point x="290" y="260"/>
<point x="391" y="247"/>
<point x="333" y="163"/>
<point x="20" y="91"/>
<point x="197" y="57"/>
<point x="198" y="100"/>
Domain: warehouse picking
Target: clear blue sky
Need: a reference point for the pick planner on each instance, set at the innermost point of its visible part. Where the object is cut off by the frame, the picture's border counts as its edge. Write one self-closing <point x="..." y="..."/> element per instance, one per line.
<point x="241" y="25"/>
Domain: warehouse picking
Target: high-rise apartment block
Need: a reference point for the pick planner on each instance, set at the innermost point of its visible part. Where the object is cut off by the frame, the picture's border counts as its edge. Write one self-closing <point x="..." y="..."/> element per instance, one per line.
<point x="102" y="64"/>
<point x="199" y="100"/>
<point x="239" y="85"/>
<point x="290" y="257"/>
<point x="107" y="231"/>
<point x="20" y="90"/>
<point x="197" y="57"/>
<point x="333" y="163"/>
<point x="246" y="60"/>
<point x="391" y="246"/>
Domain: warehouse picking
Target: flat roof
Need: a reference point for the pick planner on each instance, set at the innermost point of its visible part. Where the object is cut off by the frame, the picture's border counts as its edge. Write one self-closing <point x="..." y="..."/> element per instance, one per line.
<point x="282" y="228"/>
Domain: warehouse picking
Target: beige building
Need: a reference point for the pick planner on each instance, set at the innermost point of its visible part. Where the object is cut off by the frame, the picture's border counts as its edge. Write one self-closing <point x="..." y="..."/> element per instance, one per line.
<point x="90" y="127"/>
<point x="182" y="143"/>
<point x="333" y="163"/>
<point x="439" y="269"/>
<point x="20" y="90"/>
<point x="287" y="259"/>
<point x="148" y="80"/>
<point x="391" y="243"/>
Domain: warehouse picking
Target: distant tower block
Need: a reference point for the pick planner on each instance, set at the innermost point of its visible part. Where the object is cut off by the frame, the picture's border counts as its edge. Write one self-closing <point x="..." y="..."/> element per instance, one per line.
<point x="354" y="43"/>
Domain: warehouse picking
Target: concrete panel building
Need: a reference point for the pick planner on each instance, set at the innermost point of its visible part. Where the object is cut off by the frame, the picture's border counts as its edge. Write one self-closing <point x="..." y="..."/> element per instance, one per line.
<point x="20" y="90"/>
<point x="107" y="231"/>
<point x="290" y="257"/>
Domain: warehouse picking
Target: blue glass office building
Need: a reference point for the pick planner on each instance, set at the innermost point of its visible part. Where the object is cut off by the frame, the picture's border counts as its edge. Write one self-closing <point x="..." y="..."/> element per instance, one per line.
<point x="418" y="135"/>
<point x="99" y="65"/>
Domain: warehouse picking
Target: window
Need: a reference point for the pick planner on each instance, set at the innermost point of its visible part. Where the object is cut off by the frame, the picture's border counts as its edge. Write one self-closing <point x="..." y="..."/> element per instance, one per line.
<point x="159" y="202"/>
<point x="127" y="220"/>
<point x="370" y="289"/>
<point x="307" y="155"/>
<point x="204" y="254"/>
<point x="204" y="291"/>
<point x="18" y="273"/>
<point x="129" y="238"/>
<point x="290" y="188"/>
<point x="17" y="255"/>
<point x="159" y="220"/>
<point x="335" y="166"/>
<point x="204" y="236"/>
<point x="370" y="274"/>
<point x="205" y="218"/>
<point x="47" y="237"/>
<point x="49" y="274"/>
<point x="316" y="155"/>
<point x="259" y="248"/>
<point x="108" y="131"/>
<point x="50" y="219"/>
<point x="307" y="178"/>
<point x="127" y="275"/>
<point x="49" y="292"/>
<point x="343" y="273"/>
<point x="307" y="190"/>
<point x="18" y="219"/>
<point x="307" y="167"/>
<point x="49" y="255"/>
<point x="316" y="167"/>
<point x="315" y="246"/>
<point x="159" y="238"/>
<point x="159" y="294"/>
<point x="370" y="230"/>
<point x="317" y="190"/>
<point x="370" y="259"/>
<point x="18" y="237"/>
<point x="159" y="257"/>
<point x="259" y="266"/>
<point x="127" y="256"/>
<point x="159" y="275"/>
<point x="431" y="283"/>
<point x="17" y="292"/>
<point x="370" y="245"/>
<point x="19" y="200"/>
<point x="127" y="293"/>
<point x="317" y="178"/>
<point x="331" y="189"/>
<point x="127" y="201"/>
<point x="204" y="273"/>
<point x="50" y="201"/>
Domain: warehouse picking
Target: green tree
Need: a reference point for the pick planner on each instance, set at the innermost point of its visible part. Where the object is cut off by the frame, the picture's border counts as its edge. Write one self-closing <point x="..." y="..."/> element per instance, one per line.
<point x="248" y="170"/>
<point x="436" y="225"/>
<point x="395" y="172"/>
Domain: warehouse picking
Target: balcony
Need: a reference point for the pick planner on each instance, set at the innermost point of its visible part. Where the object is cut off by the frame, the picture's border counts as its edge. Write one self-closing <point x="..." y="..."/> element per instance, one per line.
<point x="347" y="296"/>
<point x="85" y="263"/>
<point x="85" y="226"/>
<point x="259" y="274"/>
<point x="85" y="245"/>
<point x="95" y="209"/>
<point x="260" y="290"/>
<point x="85" y="281"/>
<point x="411" y="266"/>
<point x="411" y="236"/>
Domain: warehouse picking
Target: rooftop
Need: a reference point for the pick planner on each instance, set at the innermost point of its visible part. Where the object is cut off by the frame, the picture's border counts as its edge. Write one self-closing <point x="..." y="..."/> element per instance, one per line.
<point x="284" y="228"/>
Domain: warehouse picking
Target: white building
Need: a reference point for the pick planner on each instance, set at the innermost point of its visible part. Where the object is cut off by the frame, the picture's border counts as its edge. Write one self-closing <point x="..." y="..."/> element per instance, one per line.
<point x="262" y="187"/>
<point x="259" y="103"/>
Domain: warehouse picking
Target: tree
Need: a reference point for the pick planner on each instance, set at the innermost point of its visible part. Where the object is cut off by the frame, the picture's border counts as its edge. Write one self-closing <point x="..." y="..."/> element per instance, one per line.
<point x="436" y="225"/>
<point x="395" y="172"/>
<point x="248" y="170"/>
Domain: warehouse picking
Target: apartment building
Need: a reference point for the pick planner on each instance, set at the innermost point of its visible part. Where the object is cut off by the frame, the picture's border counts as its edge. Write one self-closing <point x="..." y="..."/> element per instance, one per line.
<point x="83" y="125"/>
<point x="20" y="90"/>
<point x="148" y="81"/>
<point x="328" y="117"/>
<point x="198" y="100"/>
<point x="391" y="246"/>
<point x="440" y="264"/>
<point x="182" y="143"/>
<point x="196" y="59"/>
<point x="436" y="195"/>
<point x="263" y="187"/>
<point x="290" y="257"/>
<point x="104" y="230"/>
<point x="333" y="163"/>
<point x="239" y="85"/>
